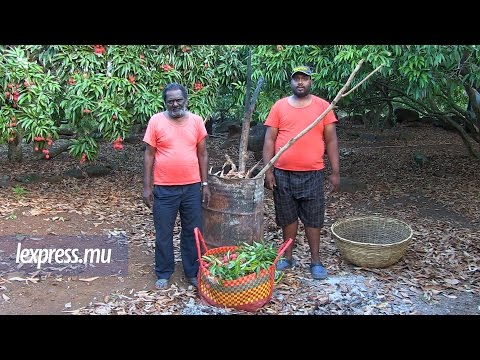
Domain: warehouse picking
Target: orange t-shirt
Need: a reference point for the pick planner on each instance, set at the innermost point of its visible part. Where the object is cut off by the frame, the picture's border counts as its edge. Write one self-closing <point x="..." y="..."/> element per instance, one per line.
<point x="176" y="160"/>
<point x="307" y="152"/>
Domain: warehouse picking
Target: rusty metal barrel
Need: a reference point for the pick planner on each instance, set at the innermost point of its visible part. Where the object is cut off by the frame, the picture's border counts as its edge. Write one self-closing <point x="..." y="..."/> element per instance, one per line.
<point x="234" y="213"/>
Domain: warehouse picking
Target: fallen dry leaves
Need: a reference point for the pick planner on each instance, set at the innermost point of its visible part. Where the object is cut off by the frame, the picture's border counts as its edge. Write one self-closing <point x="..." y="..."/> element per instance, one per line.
<point x="440" y="201"/>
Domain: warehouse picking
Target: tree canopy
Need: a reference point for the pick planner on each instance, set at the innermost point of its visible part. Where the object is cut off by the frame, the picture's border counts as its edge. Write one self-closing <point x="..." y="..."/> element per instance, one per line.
<point x="101" y="91"/>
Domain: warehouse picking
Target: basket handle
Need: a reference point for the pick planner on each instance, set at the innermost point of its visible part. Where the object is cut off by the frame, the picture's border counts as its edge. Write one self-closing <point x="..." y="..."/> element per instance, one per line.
<point x="199" y="240"/>
<point x="282" y="249"/>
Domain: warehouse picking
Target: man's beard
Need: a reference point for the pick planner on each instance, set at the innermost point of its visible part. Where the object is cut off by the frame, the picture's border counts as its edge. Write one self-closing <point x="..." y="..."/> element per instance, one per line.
<point x="301" y="95"/>
<point x="178" y="113"/>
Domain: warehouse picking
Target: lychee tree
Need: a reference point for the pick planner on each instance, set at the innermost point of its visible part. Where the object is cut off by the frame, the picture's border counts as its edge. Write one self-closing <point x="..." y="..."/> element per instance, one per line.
<point x="28" y="107"/>
<point x="101" y="91"/>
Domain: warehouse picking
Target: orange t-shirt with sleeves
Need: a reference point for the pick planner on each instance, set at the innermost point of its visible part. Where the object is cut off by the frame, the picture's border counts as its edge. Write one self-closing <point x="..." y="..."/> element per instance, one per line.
<point x="306" y="153"/>
<point x="176" y="160"/>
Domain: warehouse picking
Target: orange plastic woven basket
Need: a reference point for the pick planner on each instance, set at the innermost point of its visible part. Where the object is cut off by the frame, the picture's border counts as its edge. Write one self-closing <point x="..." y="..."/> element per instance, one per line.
<point x="248" y="293"/>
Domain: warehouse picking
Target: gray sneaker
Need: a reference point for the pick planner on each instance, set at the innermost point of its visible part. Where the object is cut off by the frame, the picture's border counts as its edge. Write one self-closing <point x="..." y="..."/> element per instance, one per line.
<point x="161" y="284"/>
<point x="193" y="281"/>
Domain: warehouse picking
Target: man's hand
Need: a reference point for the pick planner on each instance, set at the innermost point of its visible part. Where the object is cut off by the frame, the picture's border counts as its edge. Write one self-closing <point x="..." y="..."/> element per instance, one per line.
<point x="148" y="197"/>
<point x="334" y="180"/>
<point x="270" y="180"/>
<point x="206" y="195"/>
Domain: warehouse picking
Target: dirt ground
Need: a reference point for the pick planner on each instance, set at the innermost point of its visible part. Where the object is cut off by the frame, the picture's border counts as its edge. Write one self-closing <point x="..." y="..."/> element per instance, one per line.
<point x="439" y="273"/>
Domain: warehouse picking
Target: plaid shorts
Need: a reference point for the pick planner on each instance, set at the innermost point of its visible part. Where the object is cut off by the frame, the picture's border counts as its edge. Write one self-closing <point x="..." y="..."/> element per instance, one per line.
<point x="299" y="194"/>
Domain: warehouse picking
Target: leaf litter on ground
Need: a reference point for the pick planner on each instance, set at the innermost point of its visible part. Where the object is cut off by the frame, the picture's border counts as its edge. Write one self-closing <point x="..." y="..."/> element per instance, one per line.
<point x="439" y="200"/>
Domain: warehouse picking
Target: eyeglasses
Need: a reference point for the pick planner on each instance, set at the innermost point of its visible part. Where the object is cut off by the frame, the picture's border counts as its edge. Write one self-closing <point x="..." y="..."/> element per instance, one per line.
<point x="172" y="102"/>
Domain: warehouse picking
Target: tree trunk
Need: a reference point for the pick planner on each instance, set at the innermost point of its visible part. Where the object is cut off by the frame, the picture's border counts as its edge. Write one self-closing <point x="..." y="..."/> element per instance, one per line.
<point x="15" y="153"/>
<point x="471" y="145"/>
<point x="243" y="152"/>
<point x="473" y="106"/>
<point x="389" y="117"/>
<point x="249" y="106"/>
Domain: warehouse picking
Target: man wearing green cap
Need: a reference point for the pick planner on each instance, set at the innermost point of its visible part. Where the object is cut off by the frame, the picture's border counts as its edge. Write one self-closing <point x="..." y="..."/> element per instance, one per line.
<point x="297" y="177"/>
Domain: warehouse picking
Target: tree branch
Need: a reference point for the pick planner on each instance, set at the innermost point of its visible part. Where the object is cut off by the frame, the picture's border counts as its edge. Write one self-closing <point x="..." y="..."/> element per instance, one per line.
<point x="361" y="82"/>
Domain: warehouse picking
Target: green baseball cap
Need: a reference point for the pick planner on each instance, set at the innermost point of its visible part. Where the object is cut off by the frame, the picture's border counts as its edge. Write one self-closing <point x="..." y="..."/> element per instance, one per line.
<point x="302" y="69"/>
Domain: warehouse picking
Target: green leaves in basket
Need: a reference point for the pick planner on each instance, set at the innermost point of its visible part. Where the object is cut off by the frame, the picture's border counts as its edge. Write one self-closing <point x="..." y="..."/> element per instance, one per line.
<point x="278" y="276"/>
<point x="244" y="260"/>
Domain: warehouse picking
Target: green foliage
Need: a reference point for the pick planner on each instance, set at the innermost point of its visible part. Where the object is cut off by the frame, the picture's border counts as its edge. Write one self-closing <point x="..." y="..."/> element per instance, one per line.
<point x="102" y="90"/>
<point x="246" y="259"/>
<point x="11" y="217"/>
<point x="19" y="191"/>
<point x="84" y="145"/>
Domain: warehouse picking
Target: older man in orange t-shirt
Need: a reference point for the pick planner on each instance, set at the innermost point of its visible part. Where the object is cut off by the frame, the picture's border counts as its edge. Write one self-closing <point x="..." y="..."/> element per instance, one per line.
<point x="176" y="156"/>
<point x="297" y="178"/>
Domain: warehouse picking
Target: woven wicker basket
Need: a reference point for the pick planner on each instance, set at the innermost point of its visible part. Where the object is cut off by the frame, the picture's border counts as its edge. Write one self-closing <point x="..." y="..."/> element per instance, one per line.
<point x="372" y="241"/>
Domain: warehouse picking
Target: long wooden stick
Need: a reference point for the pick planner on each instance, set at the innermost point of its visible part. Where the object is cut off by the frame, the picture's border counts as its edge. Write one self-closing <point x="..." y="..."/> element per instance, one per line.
<point x="242" y="152"/>
<point x="337" y="98"/>
<point x="245" y="125"/>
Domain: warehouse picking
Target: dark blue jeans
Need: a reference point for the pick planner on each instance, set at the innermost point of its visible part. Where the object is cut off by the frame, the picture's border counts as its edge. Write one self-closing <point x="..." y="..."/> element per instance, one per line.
<point x="168" y="201"/>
